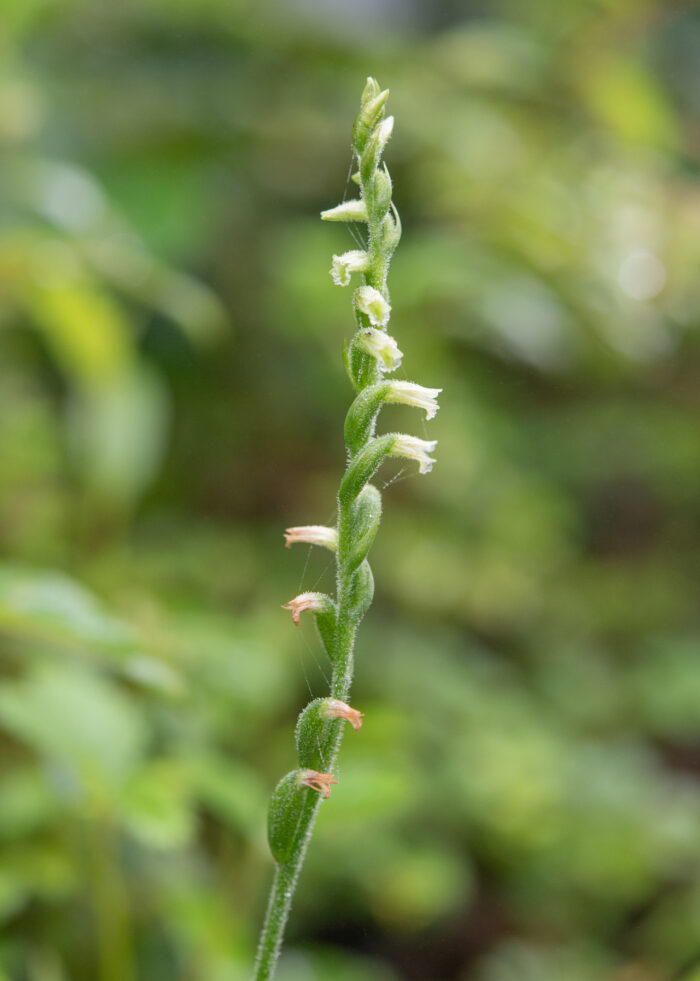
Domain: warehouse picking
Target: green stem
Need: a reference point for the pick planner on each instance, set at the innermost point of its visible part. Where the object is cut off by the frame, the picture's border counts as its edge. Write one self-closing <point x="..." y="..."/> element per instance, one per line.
<point x="287" y="874"/>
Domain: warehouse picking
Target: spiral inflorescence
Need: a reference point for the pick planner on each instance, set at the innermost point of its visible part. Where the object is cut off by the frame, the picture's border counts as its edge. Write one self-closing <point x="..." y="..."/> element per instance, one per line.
<point x="370" y="356"/>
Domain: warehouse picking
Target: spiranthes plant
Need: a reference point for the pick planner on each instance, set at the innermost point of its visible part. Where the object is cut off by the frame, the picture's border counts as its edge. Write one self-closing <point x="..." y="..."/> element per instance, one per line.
<point x="370" y="356"/>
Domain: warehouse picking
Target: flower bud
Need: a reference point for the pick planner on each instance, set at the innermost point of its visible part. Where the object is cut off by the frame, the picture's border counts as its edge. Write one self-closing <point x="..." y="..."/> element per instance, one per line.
<point x="370" y="113"/>
<point x="381" y="346"/>
<point x="311" y="535"/>
<point x="378" y="194"/>
<point x="390" y="231"/>
<point x="316" y="781"/>
<point x="370" y="301"/>
<point x="415" y="449"/>
<point x="333" y="708"/>
<point x="346" y="264"/>
<point x="366" y="515"/>
<point x="355" y="210"/>
<point x="408" y="393"/>
<point x="374" y="147"/>
<point x="370" y="91"/>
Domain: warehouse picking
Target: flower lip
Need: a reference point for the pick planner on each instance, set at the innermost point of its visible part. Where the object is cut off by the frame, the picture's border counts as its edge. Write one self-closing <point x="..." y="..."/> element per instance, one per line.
<point x="415" y="449"/>
<point x="349" y="262"/>
<point x="382" y="346"/>
<point x="315" y="602"/>
<point x="409" y="393"/>
<point x="333" y="708"/>
<point x="312" y="535"/>
<point x="371" y="302"/>
<point x="317" y="781"/>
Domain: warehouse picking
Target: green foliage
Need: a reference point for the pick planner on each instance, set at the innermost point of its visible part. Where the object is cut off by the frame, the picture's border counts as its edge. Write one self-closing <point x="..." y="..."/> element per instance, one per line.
<point x="523" y="800"/>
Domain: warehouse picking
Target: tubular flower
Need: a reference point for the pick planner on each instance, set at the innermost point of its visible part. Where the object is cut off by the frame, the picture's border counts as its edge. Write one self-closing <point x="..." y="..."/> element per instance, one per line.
<point x="347" y="211"/>
<point x="415" y="449"/>
<point x="333" y="708"/>
<point x="317" y="781"/>
<point x="382" y="346"/>
<point x="315" y="602"/>
<point x="312" y="535"/>
<point x="370" y="301"/>
<point x="408" y="393"/>
<point x="349" y="262"/>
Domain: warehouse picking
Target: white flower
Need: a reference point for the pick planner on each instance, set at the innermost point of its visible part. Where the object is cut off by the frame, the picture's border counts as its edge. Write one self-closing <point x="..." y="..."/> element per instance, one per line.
<point x="315" y="602"/>
<point x="312" y="535"/>
<point x="415" y="449"/>
<point x="408" y="393"/>
<point x="382" y="346"/>
<point x="346" y="264"/>
<point x="371" y="302"/>
<point x="347" y="211"/>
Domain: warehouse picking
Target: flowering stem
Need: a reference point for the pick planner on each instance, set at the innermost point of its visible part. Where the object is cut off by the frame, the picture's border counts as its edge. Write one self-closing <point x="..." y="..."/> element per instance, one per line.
<point x="370" y="354"/>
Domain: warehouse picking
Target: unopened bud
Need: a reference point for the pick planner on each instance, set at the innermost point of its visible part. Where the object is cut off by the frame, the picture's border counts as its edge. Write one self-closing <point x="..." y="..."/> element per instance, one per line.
<point x="346" y="264"/>
<point x="316" y="781"/>
<point x="355" y="210"/>
<point x="408" y="393"/>
<point x="382" y="346"/>
<point x="312" y="535"/>
<point x="415" y="449"/>
<point x="371" y="90"/>
<point x="333" y="708"/>
<point x="371" y="302"/>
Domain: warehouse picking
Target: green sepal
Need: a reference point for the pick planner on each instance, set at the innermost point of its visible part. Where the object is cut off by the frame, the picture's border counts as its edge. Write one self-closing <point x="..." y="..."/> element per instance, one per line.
<point x="389" y="234"/>
<point x="365" y="517"/>
<point x="362" y="467"/>
<point x="362" y="415"/>
<point x="361" y="366"/>
<point x="314" y="736"/>
<point x="362" y="591"/>
<point x="378" y="194"/>
<point x="369" y="115"/>
<point x="325" y="624"/>
<point x="284" y="817"/>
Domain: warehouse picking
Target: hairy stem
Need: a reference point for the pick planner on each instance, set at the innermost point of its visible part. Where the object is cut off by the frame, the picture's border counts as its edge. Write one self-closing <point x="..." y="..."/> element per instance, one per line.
<point x="371" y="353"/>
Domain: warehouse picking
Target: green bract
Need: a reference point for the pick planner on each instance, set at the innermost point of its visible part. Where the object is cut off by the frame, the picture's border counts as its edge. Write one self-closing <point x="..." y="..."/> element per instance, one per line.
<point x="370" y="355"/>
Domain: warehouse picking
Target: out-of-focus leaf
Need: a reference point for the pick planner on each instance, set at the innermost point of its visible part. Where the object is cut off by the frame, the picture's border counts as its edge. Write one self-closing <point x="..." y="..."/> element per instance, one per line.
<point x="78" y="720"/>
<point x="118" y="433"/>
<point x="51" y="605"/>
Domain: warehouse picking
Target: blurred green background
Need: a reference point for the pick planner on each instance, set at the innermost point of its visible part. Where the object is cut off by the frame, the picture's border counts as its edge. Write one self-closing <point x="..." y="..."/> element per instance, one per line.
<point x="523" y="802"/>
